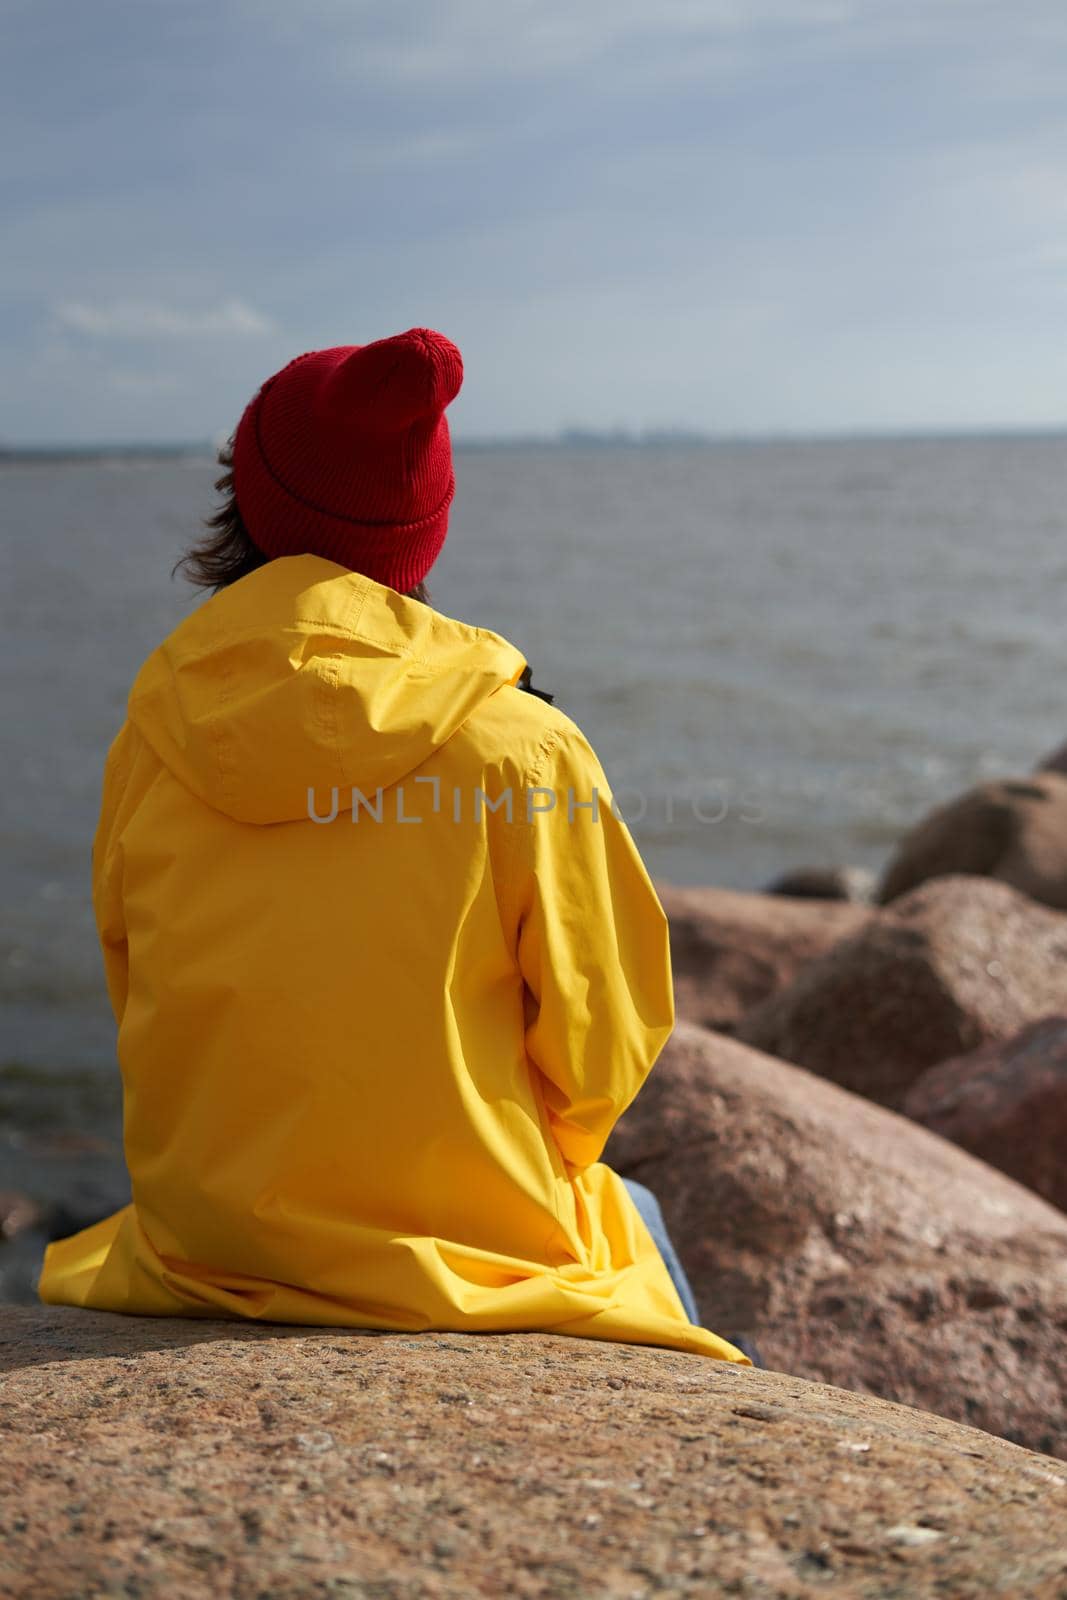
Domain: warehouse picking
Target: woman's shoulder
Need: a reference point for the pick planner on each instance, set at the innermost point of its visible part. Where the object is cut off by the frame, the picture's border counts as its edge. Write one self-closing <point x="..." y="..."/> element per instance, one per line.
<point x="522" y="734"/>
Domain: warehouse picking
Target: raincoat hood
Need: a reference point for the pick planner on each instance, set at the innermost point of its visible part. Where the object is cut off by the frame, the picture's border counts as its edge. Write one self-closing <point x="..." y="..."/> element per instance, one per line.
<point x="305" y="676"/>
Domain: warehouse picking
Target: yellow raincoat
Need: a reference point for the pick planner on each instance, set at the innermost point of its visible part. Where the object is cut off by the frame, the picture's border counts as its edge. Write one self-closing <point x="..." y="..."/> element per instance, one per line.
<point x="373" y="1030"/>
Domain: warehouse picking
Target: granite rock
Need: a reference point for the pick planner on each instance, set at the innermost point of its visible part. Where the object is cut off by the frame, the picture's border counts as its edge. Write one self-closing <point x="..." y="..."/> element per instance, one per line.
<point x="149" y="1458"/>
<point x="825" y="883"/>
<point x="1012" y="829"/>
<point x="1007" y="1104"/>
<point x="857" y="1247"/>
<point x="731" y="949"/>
<point x="943" y="970"/>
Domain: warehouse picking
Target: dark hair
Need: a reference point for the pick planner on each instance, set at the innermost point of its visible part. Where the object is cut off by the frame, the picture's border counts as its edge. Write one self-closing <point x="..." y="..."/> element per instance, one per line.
<point x="225" y="552"/>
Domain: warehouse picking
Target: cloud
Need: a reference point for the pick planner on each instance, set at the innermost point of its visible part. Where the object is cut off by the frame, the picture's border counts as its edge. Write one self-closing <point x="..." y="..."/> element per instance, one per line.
<point x="435" y="147"/>
<point x="143" y="383"/>
<point x="139" y="319"/>
<point x="466" y="40"/>
<point x="448" y="46"/>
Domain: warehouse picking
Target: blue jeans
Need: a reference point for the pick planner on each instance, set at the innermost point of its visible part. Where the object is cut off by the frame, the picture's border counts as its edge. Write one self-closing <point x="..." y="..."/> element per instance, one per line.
<point x="652" y="1216"/>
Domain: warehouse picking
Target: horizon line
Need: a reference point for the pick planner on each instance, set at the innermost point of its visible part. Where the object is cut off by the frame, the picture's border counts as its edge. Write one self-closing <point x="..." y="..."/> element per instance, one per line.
<point x="576" y="438"/>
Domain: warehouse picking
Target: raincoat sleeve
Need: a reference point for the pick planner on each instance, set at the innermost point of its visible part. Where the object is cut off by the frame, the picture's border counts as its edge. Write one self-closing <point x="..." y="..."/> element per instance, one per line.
<point x="107" y="875"/>
<point x="593" y="949"/>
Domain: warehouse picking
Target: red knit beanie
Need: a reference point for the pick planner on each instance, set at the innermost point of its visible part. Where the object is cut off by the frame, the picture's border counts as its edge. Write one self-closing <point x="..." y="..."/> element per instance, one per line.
<point x="345" y="453"/>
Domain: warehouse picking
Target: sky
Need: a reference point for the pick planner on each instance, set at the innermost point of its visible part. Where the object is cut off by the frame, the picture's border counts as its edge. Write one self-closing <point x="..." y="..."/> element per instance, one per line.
<point x="747" y="217"/>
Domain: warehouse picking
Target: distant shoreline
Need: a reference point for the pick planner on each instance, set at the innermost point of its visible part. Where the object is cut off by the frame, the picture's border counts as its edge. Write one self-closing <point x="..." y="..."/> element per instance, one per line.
<point x="565" y="439"/>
